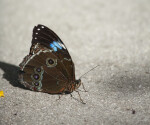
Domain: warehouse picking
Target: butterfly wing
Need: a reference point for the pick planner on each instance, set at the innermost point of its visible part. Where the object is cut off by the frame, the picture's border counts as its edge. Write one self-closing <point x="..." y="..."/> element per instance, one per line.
<point x="46" y="37"/>
<point x="40" y="72"/>
<point x="49" y="67"/>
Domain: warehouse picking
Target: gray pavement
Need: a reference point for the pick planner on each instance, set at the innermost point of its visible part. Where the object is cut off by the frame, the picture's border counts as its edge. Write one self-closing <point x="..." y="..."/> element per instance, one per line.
<point x="114" y="34"/>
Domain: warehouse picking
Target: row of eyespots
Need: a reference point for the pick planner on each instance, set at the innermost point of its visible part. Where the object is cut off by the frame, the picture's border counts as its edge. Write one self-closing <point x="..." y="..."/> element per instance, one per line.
<point x="38" y="73"/>
<point x="37" y="77"/>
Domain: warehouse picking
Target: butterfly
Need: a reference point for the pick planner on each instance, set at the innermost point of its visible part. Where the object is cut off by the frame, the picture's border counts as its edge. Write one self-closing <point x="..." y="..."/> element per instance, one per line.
<point x="48" y="67"/>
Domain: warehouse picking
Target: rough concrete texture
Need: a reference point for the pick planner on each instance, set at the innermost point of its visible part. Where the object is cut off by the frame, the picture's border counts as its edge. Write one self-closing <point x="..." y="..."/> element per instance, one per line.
<point x="114" y="34"/>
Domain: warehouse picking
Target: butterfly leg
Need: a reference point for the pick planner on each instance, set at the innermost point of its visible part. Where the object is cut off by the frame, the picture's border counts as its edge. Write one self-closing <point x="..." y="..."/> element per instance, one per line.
<point x="77" y="99"/>
<point x="80" y="97"/>
<point x="84" y="87"/>
<point x="59" y="97"/>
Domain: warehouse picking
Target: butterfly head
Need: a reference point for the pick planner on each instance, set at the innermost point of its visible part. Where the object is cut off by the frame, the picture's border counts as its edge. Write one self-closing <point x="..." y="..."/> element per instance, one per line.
<point x="77" y="83"/>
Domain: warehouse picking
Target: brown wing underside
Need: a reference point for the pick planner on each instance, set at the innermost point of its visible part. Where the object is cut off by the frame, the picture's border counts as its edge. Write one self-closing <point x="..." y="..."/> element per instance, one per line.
<point x="52" y="79"/>
<point x="44" y="36"/>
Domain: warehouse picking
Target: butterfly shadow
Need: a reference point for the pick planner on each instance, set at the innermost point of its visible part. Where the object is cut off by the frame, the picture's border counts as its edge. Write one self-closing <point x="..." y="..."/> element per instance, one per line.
<point x="11" y="74"/>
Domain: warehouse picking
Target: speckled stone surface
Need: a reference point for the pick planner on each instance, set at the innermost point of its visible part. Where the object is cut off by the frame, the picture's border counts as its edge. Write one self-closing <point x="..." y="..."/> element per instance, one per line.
<point x="114" y="34"/>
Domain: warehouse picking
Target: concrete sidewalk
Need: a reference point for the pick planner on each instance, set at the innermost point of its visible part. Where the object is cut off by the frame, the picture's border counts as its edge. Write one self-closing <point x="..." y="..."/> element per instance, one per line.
<point x="114" y="34"/>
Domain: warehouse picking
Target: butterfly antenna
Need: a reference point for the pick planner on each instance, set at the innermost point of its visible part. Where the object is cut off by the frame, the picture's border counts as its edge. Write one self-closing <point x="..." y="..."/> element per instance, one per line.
<point x="88" y="71"/>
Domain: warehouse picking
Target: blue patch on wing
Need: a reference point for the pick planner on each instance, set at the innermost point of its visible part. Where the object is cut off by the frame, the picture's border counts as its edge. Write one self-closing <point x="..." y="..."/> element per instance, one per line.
<point x="55" y="45"/>
<point x="55" y="49"/>
<point x="52" y="45"/>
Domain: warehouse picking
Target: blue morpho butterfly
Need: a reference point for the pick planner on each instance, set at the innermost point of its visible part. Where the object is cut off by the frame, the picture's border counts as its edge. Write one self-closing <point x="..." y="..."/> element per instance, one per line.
<point x="48" y="67"/>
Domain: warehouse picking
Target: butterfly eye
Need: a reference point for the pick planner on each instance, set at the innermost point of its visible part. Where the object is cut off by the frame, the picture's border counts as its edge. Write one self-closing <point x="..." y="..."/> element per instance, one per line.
<point x="51" y="62"/>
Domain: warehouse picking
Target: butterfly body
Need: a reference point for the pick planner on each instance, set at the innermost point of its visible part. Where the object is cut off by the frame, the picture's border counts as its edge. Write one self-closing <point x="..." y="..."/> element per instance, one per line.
<point x="48" y="67"/>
